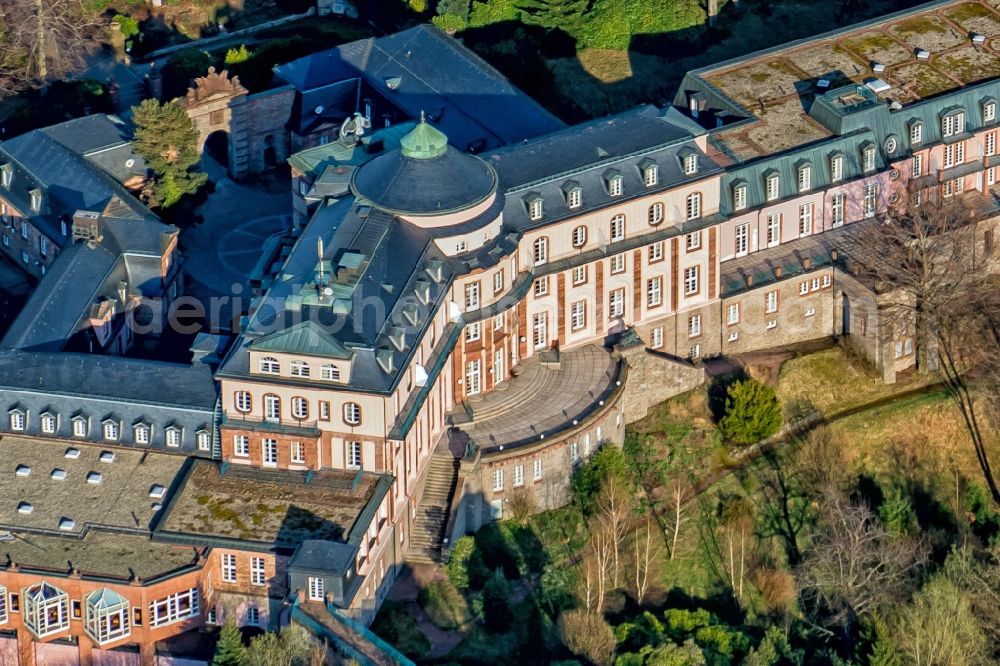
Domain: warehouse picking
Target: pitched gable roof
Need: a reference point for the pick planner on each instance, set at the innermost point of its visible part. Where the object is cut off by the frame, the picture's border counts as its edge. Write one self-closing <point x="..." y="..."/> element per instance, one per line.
<point x="306" y="338"/>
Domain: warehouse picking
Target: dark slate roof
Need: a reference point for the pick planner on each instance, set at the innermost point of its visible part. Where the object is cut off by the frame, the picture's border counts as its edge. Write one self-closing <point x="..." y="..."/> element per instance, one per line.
<point x="392" y="256"/>
<point x="583" y="155"/>
<point x="123" y="380"/>
<point x="324" y="556"/>
<point x="90" y="133"/>
<point x="409" y="186"/>
<point x="61" y="301"/>
<point x="422" y="69"/>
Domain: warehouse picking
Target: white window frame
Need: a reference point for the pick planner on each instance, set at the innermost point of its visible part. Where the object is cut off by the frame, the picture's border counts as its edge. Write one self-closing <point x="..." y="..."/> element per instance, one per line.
<point x="241" y="446"/>
<point x="656" y="337"/>
<point x="656" y="251"/>
<point x="655" y="214"/>
<point x="739" y="197"/>
<point x="871" y="194"/>
<point x="806" y="219"/>
<point x="578" y="315"/>
<point x="174" y="608"/>
<point x="473" y="377"/>
<point x="540" y="250"/>
<point x="472" y="296"/>
<point x="536" y="469"/>
<point x="540" y="329"/>
<point x="693" y="206"/>
<point x="616" y="303"/>
<point x="773" y="225"/>
<point x="837" y="206"/>
<point x="742" y="239"/>
<point x="805" y="178"/>
<point x="258" y="571"/>
<point x="498" y="479"/>
<point x="329" y="373"/>
<point x="771" y="301"/>
<point x="733" y="313"/>
<point x="316" y="588"/>
<point x="270" y="365"/>
<point x="694" y="326"/>
<point x="353" y="455"/>
<point x="518" y="475"/>
<point x="352" y="413"/>
<point x="836" y="168"/>
<point x="691" y="280"/>
<point x="654" y="291"/>
<point x="227" y="565"/>
<point x="299" y="369"/>
<point x="269" y="452"/>
<point x="772" y="187"/>
<point x="579" y="236"/>
<point x="916" y="133"/>
<point x="617" y="228"/>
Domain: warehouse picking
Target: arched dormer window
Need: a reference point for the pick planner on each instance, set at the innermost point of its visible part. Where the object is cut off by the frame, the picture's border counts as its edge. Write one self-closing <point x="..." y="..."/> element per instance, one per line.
<point x="269" y="365"/>
<point x="535" y="206"/>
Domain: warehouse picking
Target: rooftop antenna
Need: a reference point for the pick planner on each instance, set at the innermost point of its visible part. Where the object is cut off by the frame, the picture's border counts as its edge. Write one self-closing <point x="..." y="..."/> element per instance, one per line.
<point x="319" y="255"/>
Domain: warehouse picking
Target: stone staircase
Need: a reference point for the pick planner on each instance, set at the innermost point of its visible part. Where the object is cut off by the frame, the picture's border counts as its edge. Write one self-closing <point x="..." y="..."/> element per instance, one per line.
<point x="427" y="534"/>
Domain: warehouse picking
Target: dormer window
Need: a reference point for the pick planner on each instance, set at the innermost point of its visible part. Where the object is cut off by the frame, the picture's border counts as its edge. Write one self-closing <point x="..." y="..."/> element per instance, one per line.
<point x="535" y="207"/>
<point x="772" y="187"/>
<point x="48" y="423"/>
<point x="17" y="420"/>
<point x="299" y="369"/>
<point x="836" y="168"/>
<point x="80" y="426"/>
<point x="269" y="365"/>
<point x="650" y="172"/>
<point x="740" y="196"/>
<point x="805" y="178"/>
<point x="6" y="175"/>
<point x="574" y="194"/>
<point x="110" y="430"/>
<point x="614" y="182"/>
<point x="36" y="201"/>
<point x="142" y="432"/>
<point x="916" y="132"/>
<point x="329" y="373"/>
<point x="953" y="123"/>
<point x="868" y="158"/>
<point x="989" y="111"/>
<point x="690" y="163"/>
<point x="173" y="434"/>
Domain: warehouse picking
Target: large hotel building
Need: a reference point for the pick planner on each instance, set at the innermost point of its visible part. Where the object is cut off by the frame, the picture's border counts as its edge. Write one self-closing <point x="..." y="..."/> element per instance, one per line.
<point x="471" y="298"/>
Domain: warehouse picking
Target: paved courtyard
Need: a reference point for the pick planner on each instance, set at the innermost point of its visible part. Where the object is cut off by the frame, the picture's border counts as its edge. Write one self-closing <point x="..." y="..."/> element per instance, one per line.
<point x="221" y="252"/>
<point x="543" y="399"/>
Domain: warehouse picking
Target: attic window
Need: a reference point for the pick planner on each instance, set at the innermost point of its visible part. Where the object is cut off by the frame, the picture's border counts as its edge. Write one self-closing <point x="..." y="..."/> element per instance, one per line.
<point x="615" y="183"/>
<point x="739" y="196"/>
<point x="953" y="123"/>
<point x="868" y="158"/>
<point x="535" y="206"/>
<point x="36" y="200"/>
<point x="691" y="164"/>
<point x="836" y="168"/>
<point x="989" y="111"/>
<point x="385" y="361"/>
<point x="574" y="194"/>
<point x="94" y="478"/>
<point x="916" y="132"/>
<point x="6" y="175"/>
<point x="805" y="178"/>
<point x="651" y="172"/>
<point x="772" y="187"/>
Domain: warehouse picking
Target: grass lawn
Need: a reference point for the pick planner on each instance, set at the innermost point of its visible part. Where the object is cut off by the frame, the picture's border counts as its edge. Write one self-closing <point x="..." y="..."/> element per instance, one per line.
<point x="832" y="380"/>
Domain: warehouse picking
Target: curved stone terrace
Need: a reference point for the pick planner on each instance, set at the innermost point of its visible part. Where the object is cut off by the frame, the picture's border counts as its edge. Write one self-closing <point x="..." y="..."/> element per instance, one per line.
<point x="554" y="392"/>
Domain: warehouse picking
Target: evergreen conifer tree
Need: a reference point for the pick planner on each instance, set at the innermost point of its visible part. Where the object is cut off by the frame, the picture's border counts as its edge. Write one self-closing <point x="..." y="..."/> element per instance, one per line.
<point x="167" y="139"/>
<point x="229" y="651"/>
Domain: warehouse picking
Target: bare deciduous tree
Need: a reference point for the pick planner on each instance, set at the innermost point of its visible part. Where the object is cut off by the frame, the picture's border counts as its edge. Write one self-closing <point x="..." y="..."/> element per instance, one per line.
<point x="646" y="552"/>
<point x="931" y="267"/>
<point x="44" y="39"/>
<point x="854" y="566"/>
<point x="677" y="498"/>
<point x="613" y="518"/>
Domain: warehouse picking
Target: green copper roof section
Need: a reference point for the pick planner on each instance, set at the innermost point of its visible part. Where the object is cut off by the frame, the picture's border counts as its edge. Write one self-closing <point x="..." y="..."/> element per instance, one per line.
<point x="424" y="142"/>
<point x="307" y="338"/>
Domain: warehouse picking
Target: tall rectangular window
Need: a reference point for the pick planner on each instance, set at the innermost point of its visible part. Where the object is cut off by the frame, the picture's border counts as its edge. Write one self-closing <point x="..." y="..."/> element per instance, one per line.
<point x="518" y="475"/>
<point x="837" y="209"/>
<point x="578" y="315"/>
<point x="917" y="168"/>
<point x="473" y="377"/>
<point x="617" y="264"/>
<point x="656" y="337"/>
<point x="269" y="452"/>
<point x="540" y="329"/>
<point x="740" y="197"/>
<point x="771" y="301"/>
<point x="241" y="446"/>
<point x="616" y="303"/>
<point x="656" y="252"/>
<point x="870" y="194"/>
<point x="694" y="326"/>
<point x="498" y="479"/>
<point x="579" y="275"/>
<point x="991" y="143"/>
<point x="257" y="575"/>
<point x="733" y="313"/>
<point x="317" y="588"/>
<point x="742" y="236"/>
<point x="537" y="469"/>
<point x="472" y="296"/>
<point x="773" y="229"/>
<point x="690" y="280"/>
<point x="617" y="228"/>
<point x="228" y="568"/>
<point x="654" y="291"/>
<point x="805" y="219"/>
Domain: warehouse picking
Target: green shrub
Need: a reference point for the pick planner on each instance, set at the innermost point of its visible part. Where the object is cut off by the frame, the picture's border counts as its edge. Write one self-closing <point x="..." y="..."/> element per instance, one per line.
<point x="396" y="626"/>
<point x="607" y="462"/>
<point x="466" y="568"/>
<point x="459" y="8"/>
<point x="492" y="11"/>
<point x="129" y="25"/>
<point x="449" y="22"/>
<point x="444" y="605"/>
<point x="896" y="512"/>
<point x="753" y="413"/>
<point x="237" y="55"/>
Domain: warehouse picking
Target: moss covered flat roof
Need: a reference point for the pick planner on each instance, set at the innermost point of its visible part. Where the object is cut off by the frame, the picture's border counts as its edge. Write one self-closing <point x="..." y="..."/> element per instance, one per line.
<point x="281" y="508"/>
<point x="99" y="554"/>
<point x="777" y="86"/>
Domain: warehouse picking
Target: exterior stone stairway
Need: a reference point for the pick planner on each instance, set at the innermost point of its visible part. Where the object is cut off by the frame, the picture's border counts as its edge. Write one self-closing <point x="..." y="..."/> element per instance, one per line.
<point x="427" y="534"/>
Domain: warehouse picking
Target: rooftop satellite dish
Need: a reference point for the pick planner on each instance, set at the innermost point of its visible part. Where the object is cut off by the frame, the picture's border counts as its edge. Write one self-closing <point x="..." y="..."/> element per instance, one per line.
<point x="318" y="110"/>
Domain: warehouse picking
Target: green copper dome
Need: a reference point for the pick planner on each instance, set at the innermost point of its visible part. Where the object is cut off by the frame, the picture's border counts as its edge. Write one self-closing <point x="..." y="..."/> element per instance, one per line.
<point x="424" y="142"/>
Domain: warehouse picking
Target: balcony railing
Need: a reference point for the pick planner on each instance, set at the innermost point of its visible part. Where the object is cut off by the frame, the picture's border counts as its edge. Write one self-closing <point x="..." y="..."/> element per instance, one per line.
<point x="286" y="426"/>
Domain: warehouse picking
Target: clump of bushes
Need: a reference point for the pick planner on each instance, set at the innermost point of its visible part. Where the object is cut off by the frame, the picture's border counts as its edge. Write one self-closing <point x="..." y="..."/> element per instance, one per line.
<point x="444" y="605"/>
<point x="752" y="413"/>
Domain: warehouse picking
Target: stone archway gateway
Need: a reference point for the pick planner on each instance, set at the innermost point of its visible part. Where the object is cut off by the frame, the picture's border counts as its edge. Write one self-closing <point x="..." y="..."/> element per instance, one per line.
<point x="217" y="103"/>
